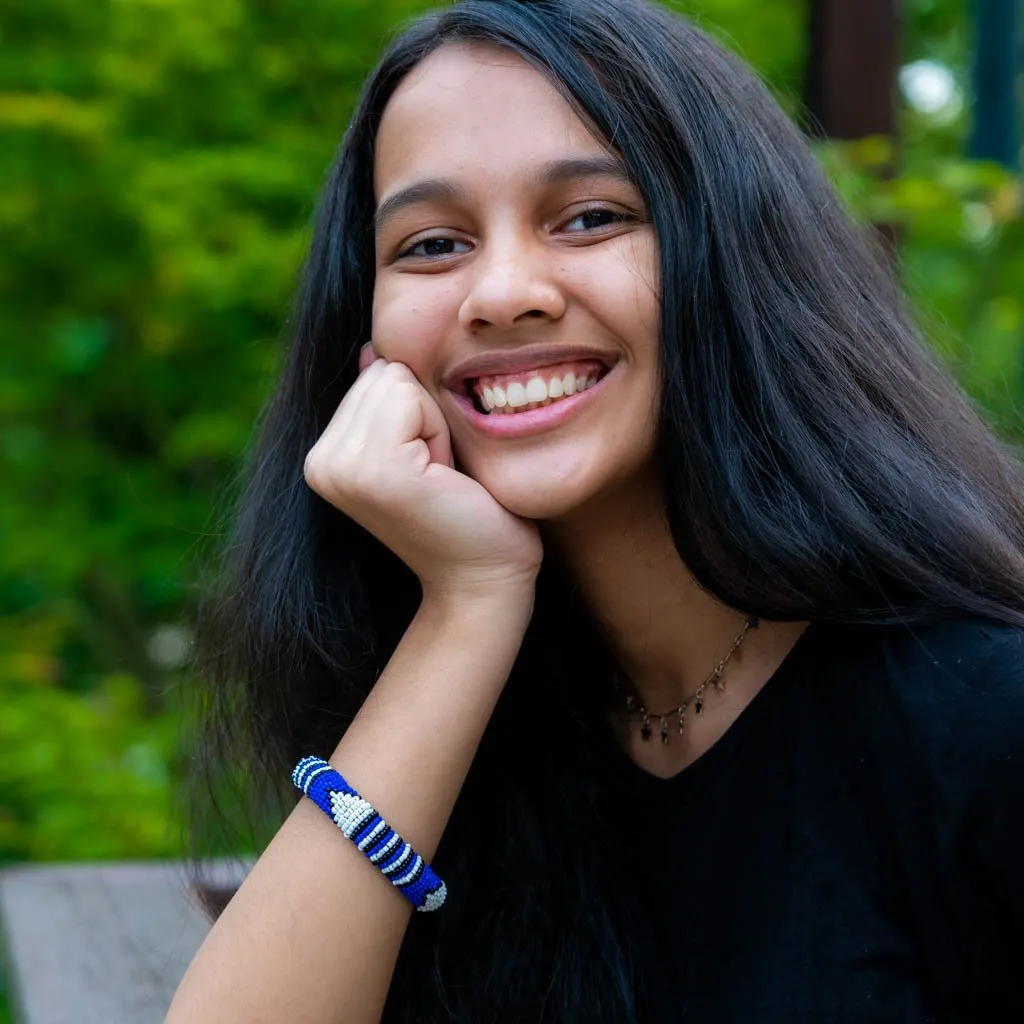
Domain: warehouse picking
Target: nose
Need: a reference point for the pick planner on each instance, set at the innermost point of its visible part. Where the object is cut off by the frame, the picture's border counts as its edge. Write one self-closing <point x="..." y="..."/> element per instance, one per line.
<point x="513" y="283"/>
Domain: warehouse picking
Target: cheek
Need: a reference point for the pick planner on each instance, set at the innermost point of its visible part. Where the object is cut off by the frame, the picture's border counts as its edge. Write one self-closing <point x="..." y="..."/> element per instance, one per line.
<point x="639" y="294"/>
<point x="410" y="320"/>
<point x="620" y="290"/>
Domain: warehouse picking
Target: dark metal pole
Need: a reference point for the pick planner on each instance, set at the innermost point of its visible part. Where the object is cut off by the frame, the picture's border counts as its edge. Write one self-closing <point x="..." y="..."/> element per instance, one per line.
<point x="995" y="133"/>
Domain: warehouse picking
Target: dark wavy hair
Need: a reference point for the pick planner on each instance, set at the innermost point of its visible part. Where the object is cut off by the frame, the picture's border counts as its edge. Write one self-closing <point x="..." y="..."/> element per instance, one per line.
<point x="816" y="463"/>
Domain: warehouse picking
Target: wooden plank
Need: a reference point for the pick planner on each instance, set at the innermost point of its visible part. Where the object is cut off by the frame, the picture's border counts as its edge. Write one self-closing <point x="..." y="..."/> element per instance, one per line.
<point x="102" y="944"/>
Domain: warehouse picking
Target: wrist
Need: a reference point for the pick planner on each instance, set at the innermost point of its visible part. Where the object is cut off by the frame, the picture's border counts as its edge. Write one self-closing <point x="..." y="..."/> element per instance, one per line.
<point x="485" y="589"/>
<point x="506" y="607"/>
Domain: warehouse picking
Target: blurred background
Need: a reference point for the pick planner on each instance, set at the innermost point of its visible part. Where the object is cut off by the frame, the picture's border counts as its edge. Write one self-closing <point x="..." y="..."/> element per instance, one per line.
<point x="160" y="163"/>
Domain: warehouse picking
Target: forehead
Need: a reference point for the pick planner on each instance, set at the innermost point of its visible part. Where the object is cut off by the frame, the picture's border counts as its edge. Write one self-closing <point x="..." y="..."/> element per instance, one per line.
<point x="474" y="108"/>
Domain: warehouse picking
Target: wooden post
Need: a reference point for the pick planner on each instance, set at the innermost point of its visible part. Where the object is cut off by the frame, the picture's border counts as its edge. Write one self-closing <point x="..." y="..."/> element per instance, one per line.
<point x="851" y="78"/>
<point x="852" y="65"/>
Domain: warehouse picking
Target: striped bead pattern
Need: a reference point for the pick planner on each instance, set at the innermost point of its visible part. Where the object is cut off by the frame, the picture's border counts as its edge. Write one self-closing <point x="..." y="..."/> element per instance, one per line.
<point x="378" y="842"/>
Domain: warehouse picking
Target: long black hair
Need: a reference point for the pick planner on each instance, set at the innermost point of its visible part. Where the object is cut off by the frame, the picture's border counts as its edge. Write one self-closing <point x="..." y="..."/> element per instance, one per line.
<point x="816" y="463"/>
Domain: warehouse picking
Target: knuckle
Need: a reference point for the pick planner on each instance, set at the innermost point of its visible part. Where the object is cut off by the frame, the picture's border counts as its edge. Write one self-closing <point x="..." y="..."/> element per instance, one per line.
<point x="311" y="468"/>
<point x="324" y="475"/>
<point x="398" y="373"/>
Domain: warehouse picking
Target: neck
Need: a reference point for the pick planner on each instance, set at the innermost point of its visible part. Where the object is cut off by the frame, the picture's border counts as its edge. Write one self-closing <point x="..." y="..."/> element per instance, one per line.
<point x="666" y="631"/>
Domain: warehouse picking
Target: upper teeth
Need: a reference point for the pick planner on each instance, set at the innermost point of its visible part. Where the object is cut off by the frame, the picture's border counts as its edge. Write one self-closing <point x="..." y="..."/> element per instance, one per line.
<point x="536" y="389"/>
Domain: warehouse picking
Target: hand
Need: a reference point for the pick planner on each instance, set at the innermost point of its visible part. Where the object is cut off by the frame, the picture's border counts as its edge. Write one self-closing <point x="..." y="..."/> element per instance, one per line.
<point x="385" y="460"/>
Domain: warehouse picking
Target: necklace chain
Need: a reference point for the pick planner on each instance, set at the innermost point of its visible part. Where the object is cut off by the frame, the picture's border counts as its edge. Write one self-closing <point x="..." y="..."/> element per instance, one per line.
<point x="696" y="699"/>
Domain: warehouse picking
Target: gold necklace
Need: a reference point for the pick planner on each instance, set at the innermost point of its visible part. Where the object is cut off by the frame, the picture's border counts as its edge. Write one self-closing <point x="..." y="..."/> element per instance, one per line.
<point x="696" y="699"/>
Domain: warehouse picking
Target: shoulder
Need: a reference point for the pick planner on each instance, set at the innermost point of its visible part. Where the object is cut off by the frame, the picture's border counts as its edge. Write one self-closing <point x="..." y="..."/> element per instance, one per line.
<point x="952" y="693"/>
<point x="958" y="691"/>
<point x="959" y="659"/>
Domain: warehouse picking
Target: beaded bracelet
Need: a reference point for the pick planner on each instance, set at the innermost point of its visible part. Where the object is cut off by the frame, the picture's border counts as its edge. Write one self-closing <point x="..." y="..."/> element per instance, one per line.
<point x="379" y="843"/>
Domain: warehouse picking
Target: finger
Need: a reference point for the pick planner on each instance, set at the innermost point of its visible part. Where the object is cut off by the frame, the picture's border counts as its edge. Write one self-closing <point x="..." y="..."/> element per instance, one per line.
<point x="401" y="410"/>
<point x="434" y="430"/>
<point x="349" y="408"/>
<point x="367" y="356"/>
<point x="383" y="412"/>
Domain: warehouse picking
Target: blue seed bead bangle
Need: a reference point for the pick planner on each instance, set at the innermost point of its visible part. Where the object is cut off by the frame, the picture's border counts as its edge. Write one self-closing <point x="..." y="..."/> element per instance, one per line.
<point x="379" y="843"/>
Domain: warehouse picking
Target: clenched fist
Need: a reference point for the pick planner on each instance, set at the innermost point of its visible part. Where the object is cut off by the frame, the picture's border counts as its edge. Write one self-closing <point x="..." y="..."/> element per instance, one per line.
<point x="385" y="460"/>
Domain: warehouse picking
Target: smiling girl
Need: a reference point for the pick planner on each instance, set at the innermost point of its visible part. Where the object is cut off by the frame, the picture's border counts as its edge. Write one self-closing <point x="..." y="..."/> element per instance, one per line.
<point x="631" y="565"/>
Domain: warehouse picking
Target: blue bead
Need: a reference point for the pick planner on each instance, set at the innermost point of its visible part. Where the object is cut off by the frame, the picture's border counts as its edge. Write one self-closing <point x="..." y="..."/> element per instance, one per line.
<point x="426" y="891"/>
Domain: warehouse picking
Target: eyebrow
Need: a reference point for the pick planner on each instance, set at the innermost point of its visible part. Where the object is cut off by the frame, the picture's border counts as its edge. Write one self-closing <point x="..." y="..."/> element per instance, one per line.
<point x="432" y="190"/>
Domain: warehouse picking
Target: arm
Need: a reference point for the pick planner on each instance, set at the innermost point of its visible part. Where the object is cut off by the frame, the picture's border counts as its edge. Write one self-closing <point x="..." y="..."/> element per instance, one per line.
<point x="314" y="932"/>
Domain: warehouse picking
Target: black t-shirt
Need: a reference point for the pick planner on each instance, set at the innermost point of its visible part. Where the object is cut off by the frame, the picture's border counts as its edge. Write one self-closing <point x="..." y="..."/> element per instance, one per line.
<point x="850" y="850"/>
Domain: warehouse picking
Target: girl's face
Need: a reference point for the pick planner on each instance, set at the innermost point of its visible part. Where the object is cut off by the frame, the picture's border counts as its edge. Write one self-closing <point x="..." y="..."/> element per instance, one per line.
<point x="516" y="277"/>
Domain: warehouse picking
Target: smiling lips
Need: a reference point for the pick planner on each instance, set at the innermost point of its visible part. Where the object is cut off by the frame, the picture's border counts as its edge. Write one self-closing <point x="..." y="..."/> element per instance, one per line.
<point x="520" y="392"/>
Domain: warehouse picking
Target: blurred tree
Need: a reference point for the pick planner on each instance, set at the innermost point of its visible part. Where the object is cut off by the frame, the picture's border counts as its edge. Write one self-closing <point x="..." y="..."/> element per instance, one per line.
<point x="161" y="160"/>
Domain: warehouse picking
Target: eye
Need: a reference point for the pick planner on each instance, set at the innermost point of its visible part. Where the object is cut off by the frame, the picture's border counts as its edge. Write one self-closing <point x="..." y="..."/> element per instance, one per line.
<point x="600" y="217"/>
<point x="435" y="247"/>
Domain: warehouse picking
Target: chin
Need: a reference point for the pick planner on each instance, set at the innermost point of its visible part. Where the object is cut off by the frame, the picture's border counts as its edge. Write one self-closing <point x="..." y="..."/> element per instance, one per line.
<point x="542" y="508"/>
<point x="532" y="496"/>
<point x="552" y="484"/>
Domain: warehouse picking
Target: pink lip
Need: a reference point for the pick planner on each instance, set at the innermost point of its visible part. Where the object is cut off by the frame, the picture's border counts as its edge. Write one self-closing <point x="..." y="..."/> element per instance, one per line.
<point x="534" y="421"/>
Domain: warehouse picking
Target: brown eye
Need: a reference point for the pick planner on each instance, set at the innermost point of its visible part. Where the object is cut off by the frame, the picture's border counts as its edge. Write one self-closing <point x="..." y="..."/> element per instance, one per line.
<point x="432" y="248"/>
<point x="600" y="217"/>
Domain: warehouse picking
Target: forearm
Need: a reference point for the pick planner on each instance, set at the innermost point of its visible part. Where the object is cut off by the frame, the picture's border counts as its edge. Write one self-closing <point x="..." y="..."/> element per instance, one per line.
<point x="313" y="934"/>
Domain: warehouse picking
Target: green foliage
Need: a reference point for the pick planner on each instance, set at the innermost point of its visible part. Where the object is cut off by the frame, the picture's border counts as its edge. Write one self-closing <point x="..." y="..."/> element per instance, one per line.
<point x="161" y="160"/>
<point x="961" y="257"/>
<point x="84" y="775"/>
